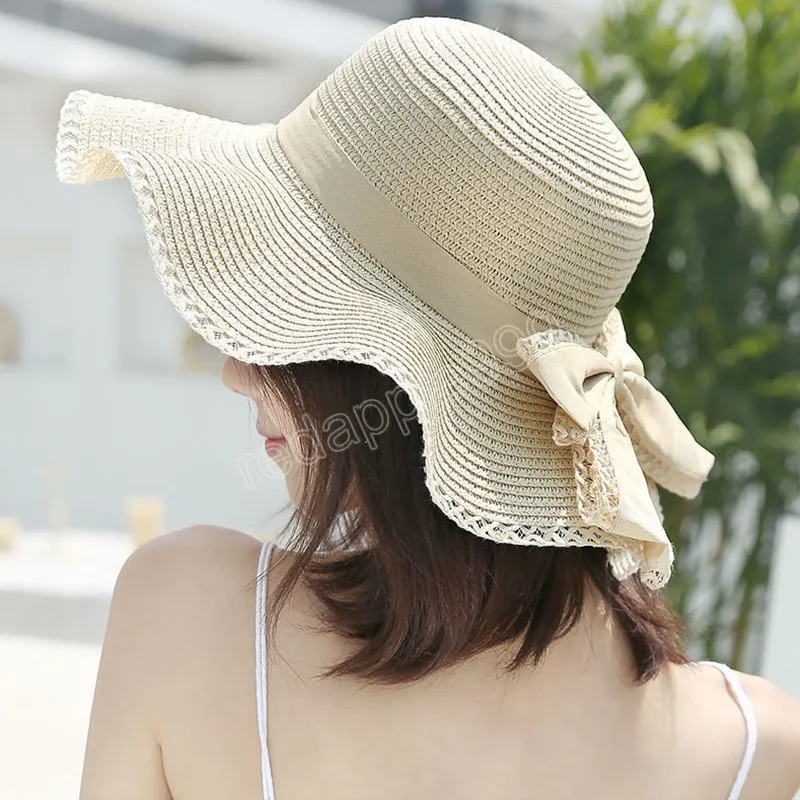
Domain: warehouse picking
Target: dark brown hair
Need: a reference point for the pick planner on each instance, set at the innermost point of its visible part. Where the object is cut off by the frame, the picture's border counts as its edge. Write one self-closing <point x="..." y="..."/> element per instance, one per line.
<point x="399" y="578"/>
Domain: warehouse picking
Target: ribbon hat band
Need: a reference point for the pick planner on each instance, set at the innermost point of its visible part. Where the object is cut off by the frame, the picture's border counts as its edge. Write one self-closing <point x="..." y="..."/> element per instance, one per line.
<point x="401" y="247"/>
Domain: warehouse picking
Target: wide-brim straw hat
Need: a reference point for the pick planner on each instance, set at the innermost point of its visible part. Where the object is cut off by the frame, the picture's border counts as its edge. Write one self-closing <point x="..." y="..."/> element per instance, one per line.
<point x="452" y="209"/>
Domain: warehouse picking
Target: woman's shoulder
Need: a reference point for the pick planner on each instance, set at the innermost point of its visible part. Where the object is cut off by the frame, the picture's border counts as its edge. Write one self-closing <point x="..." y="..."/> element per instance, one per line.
<point x="776" y="765"/>
<point x="777" y="715"/>
<point x="178" y="651"/>
<point x="187" y="580"/>
<point x="185" y="598"/>
<point x="196" y="541"/>
<point x="179" y="560"/>
<point x="775" y="769"/>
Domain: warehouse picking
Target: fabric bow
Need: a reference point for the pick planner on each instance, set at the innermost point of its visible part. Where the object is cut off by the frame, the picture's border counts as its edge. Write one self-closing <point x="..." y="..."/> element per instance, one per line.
<point x="622" y="431"/>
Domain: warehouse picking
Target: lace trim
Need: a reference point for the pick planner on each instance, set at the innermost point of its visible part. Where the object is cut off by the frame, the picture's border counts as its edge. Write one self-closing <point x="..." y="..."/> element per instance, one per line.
<point x="625" y="556"/>
<point x="625" y="563"/>
<point x="597" y="488"/>
<point x="74" y="161"/>
<point x="530" y="346"/>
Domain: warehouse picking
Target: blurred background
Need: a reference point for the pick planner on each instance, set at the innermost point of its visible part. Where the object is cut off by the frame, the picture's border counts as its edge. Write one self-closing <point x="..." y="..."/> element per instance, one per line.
<point x="114" y="427"/>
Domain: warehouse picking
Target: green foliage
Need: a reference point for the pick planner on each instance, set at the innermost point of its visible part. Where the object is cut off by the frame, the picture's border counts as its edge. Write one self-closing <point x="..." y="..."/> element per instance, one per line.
<point x="713" y="111"/>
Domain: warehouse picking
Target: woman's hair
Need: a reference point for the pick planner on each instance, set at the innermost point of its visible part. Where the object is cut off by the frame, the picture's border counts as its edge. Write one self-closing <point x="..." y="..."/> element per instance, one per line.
<point x="411" y="589"/>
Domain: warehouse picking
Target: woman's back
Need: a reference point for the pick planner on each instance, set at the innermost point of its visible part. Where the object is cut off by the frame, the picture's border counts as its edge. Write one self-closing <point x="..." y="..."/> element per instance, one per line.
<point x="179" y="666"/>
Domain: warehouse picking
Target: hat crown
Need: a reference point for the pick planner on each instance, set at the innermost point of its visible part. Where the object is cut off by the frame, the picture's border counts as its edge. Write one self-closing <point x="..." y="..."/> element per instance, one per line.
<point x="501" y="159"/>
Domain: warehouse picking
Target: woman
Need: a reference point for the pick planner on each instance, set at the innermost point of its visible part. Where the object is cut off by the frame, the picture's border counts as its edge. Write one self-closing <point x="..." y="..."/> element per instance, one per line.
<point x="414" y="275"/>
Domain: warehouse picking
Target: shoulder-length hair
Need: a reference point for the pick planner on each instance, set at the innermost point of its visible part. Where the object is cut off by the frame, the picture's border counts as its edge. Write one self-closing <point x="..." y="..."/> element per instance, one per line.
<point x="413" y="590"/>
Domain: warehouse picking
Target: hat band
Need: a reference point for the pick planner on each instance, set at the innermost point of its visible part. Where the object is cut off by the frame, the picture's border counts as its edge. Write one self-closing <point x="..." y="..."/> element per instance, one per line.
<point x="402" y="248"/>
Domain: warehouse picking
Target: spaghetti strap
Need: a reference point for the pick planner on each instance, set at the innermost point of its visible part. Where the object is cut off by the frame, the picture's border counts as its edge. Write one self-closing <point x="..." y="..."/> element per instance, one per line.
<point x="751" y="726"/>
<point x="267" y="787"/>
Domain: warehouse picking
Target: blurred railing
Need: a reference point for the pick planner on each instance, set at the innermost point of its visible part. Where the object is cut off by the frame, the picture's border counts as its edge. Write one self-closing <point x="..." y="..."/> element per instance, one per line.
<point x="55" y="14"/>
<point x="536" y="24"/>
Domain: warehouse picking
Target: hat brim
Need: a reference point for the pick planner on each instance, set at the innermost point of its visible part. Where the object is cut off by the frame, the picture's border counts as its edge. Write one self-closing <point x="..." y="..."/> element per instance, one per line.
<point x="261" y="271"/>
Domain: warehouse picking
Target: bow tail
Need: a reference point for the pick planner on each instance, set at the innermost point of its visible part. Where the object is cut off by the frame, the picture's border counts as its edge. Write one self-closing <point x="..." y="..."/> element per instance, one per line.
<point x="666" y="449"/>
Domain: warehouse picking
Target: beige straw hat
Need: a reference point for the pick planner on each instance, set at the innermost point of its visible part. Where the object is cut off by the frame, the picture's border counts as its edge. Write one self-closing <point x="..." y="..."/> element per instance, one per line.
<point x="452" y="209"/>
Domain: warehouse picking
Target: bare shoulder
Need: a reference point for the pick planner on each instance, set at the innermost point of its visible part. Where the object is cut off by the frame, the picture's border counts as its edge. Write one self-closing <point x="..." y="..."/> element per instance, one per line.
<point x="777" y="711"/>
<point x="196" y="541"/>
<point x="775" y="770"/>
<point x="183" y="557"/>
<point x="776" y="766"/>
<point x="716" y="729"/>
<point x="194" y="574"/>
<point x="179" y="599"/>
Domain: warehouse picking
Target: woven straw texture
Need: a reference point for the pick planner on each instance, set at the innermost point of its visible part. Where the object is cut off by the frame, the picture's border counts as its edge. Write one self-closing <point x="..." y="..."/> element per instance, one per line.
<point x="496" y="155"/>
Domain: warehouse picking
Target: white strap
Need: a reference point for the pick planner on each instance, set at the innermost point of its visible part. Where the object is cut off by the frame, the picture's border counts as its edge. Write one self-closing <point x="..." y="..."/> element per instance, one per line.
<point x="267" y="787"/>
<point x="751" y="726"/>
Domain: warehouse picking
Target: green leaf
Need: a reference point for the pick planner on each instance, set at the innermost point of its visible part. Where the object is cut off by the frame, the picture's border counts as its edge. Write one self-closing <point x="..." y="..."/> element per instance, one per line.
<point x="749" y="347"/>
<point x="785" y="386"/>
<point x="701" y="147"/>
<point x="745" y="8"/>
<point x="778" y="441"/>
<point x="724" y="433"/>
<point x="742" y="168"/>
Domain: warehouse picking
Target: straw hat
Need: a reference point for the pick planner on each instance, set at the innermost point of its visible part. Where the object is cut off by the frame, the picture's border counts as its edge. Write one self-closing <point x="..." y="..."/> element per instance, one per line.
<point x="452" y="209"/>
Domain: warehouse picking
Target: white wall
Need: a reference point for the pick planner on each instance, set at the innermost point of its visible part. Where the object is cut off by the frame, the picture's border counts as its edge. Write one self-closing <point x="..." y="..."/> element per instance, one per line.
<point x="74" y="267"/>
<point x="781" y="661"/>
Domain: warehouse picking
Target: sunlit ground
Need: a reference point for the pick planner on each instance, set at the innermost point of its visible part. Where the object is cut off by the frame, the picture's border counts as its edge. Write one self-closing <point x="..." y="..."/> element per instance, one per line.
<point x="45" y="697"/>
<point x="54" y="595"/>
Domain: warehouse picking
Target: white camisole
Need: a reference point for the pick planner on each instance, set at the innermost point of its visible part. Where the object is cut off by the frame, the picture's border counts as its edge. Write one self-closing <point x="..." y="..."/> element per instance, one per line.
<point x="268" y="788"/>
